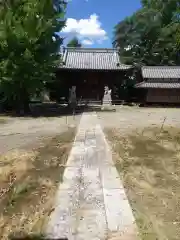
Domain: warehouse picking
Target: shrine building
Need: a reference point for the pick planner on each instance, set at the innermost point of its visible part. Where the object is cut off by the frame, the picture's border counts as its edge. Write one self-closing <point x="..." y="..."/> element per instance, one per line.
<point x="90" y="70"/>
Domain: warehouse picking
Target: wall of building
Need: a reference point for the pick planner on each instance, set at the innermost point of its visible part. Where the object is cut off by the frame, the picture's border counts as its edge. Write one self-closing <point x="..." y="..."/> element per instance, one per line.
<point x="163" y="96"/>
<point x="89" y="84"/>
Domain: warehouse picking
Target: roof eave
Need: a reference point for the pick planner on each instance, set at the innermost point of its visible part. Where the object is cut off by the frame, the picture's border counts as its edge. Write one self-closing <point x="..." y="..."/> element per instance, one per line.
<point x="151" y="86"/>
<point x="95" y="69"/>
<point x="157" y="77"/>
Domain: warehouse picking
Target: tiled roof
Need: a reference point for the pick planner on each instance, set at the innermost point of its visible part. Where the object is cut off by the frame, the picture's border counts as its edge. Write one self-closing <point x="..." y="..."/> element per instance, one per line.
<point x="161" y="72"/>
<point x="92" y="58"/>
<point x="158" y="85"/>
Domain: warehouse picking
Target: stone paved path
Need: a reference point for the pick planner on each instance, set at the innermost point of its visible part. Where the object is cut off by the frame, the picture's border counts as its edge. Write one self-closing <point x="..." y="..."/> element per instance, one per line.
<point x="91" y="203"/>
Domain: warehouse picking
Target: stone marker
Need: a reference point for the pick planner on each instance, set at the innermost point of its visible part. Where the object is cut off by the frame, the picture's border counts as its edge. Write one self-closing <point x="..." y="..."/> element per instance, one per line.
<point x="72" y="98"/>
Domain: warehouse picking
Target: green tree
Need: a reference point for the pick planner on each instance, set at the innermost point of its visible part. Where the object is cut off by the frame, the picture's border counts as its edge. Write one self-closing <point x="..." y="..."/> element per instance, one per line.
<point x="28" y="48"/>
<point x="74" y="43"/>
<point x="149" y="36"/>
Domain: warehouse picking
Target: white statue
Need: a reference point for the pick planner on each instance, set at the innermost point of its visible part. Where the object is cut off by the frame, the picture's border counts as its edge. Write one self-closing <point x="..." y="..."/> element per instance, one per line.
<point x="45" y="96"/>
<point x="109" y="96"/>
<point x="107" y="100"/>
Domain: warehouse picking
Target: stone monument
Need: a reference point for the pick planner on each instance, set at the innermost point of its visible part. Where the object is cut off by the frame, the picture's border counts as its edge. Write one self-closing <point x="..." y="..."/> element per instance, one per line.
<point x="107" y="100"/>
<point x="72" y="97"/>
<point x="45" y="96"/>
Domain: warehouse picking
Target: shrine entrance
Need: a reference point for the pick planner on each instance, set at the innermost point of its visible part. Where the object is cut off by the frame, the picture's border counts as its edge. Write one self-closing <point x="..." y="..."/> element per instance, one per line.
<point x="90" y="70"/>
<point x="89" y="83"/>
<point x="90" y="86"/>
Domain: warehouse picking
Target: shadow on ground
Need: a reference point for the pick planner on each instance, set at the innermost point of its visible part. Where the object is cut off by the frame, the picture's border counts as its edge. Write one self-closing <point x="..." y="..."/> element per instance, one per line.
<point x="33" y="237"/>
<point x="56" y="110"/>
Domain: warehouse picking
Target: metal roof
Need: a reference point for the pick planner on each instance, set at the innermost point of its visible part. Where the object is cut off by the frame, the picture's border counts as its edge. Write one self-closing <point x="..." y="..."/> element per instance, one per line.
<point x="158" y="85"/>
<point x="92" y="58"/>
<point x="161" y="72"/>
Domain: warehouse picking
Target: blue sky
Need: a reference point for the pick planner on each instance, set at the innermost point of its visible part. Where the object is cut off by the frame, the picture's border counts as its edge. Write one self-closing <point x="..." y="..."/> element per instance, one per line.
<point x="92" y="21"/>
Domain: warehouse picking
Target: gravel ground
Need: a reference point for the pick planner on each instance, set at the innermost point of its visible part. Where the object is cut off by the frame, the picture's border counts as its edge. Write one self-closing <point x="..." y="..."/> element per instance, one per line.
<point x="127" y="119"/>
<point x="28" y="132"/>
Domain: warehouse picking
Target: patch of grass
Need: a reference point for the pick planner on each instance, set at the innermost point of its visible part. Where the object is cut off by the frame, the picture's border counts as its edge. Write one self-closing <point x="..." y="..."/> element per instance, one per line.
<point x="18" y="191"/>
<point x="28" y="184"/>
<point x="149" y="164"/>
<point x="3" y="121"/>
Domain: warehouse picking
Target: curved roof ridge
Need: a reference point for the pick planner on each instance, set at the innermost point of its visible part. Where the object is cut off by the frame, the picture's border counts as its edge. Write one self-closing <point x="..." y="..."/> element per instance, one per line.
<point x="82" y="49"/>
<point x="90" y="48"/>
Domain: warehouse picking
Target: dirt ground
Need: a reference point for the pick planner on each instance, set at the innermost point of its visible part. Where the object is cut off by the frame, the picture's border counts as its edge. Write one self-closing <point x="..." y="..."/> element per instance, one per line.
<point x="33" y="155"/>
<point x="27" y="133"/>
<point x="129" y="118"/>
<point x="146" y="143"/>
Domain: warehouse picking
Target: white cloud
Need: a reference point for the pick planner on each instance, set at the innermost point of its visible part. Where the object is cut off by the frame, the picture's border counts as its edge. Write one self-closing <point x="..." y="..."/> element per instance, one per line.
<point x="87" y="42"/>
<point x="86" y="28"/>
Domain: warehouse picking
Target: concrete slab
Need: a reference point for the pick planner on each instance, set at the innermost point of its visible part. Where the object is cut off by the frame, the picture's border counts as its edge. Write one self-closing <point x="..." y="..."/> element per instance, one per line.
<point x="91" y="203"/>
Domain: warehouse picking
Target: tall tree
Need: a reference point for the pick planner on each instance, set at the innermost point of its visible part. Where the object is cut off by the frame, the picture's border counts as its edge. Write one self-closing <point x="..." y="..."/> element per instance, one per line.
<point x="28" y="47"/>
<point x="74" y="43"/>
<point x="154" y="43"/>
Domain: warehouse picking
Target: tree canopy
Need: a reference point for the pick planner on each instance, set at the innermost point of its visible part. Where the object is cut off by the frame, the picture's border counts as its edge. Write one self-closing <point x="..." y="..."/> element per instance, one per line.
<point x="28" y="47"/>
<point x="151" y="36"/>
<point x="74" y="43"/>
